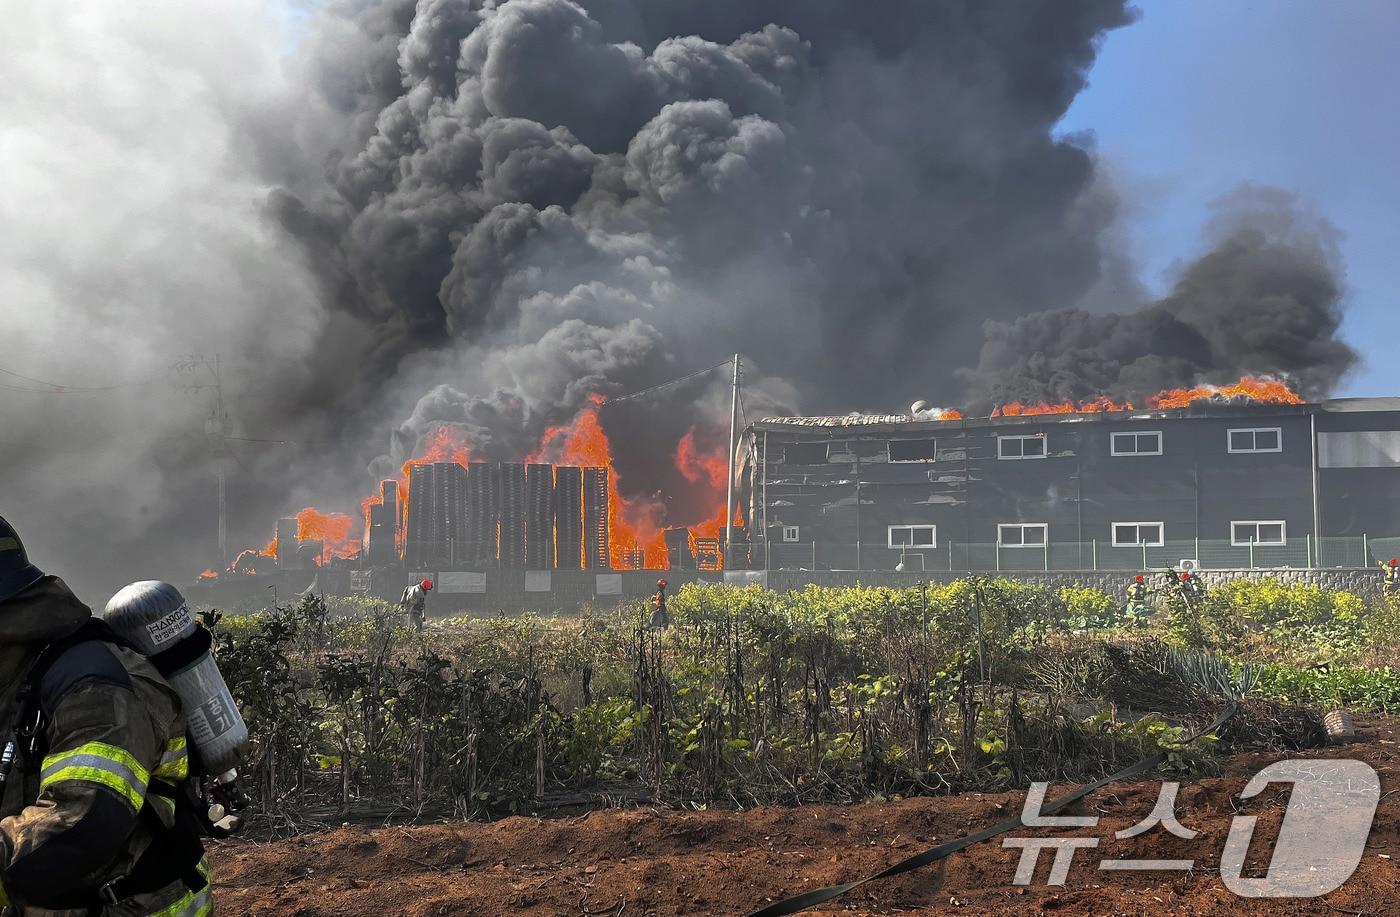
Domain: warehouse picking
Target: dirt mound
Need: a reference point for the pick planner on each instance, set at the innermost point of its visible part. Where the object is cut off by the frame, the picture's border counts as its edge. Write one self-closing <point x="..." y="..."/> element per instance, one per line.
<point x="650" y="862"/>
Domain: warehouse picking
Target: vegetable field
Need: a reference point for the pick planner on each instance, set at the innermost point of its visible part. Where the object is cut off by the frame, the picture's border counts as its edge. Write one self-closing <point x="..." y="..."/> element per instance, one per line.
<point x="824" y="695"/>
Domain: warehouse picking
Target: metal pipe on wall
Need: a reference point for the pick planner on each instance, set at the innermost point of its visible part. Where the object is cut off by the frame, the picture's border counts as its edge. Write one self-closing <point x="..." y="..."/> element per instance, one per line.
<point x="1317" y="514"/>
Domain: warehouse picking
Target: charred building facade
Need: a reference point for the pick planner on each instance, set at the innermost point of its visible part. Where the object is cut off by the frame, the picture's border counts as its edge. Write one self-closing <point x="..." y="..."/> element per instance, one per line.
<point x="1221" y="485"/>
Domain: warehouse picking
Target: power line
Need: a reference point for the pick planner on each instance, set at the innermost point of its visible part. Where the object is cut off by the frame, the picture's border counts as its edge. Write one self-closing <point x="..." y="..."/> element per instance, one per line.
<point x="254" y="439"/>
<point x="55" y="388"/>
<point x="656" y="388"/>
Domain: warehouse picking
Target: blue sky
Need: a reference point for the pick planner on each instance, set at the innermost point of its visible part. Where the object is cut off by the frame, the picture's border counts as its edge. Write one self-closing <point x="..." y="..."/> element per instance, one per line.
<point x="1199" y="95"/>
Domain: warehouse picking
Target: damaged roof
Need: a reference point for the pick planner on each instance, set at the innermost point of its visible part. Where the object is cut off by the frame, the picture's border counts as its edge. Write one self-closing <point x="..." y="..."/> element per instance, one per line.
<point x="871" y="422"/>
<point x="1201" y="408"/>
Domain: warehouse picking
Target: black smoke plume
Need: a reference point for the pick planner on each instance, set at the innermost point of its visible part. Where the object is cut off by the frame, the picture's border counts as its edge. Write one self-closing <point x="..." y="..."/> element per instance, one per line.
<point x="1265" y="300"/>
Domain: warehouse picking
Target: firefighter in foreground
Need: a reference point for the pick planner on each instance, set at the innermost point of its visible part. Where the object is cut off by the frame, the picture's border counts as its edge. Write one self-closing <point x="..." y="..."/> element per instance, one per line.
<point x="1390" y="576"/>
<point x="93" y="757"/>
<point x="414" y="602"/>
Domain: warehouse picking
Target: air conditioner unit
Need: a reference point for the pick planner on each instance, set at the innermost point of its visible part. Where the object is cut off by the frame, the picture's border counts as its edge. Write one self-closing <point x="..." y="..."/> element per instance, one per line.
<point x="1188" y="563"/>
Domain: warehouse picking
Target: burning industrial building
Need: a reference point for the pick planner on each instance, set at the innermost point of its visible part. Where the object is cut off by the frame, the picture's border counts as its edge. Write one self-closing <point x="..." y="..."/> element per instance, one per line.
<point x="1245" y="475"/>
<point x="1242" y="474"/>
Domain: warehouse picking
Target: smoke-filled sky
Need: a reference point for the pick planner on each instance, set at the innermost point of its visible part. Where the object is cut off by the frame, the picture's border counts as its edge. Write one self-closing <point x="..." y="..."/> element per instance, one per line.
<point x="384" y="216"/>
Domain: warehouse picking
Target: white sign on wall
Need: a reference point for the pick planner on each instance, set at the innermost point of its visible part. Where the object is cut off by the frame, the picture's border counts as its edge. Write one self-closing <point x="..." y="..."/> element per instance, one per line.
<point x="608" y="584"/>
<point x="537" y="581"/>
<point x="461" y="582"/>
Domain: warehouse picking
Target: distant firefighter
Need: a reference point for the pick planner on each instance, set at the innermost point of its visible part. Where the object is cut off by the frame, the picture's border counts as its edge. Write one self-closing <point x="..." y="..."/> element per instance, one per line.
<point x="660" y="617"/>
<point x="1192" y="589"/>
<point x="1137" y="595"/>
<point x="1390" y="576"/>
<point x="414" y="603"/>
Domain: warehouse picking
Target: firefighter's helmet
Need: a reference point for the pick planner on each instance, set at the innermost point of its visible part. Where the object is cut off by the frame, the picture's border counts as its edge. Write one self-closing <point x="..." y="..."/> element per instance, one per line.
<point x="427" y="585"/>
<point x="1395" y="562"/>
<point x="16" y="572"/>
<point x="1185" y="576"/>
<point x="1138" y="578"/>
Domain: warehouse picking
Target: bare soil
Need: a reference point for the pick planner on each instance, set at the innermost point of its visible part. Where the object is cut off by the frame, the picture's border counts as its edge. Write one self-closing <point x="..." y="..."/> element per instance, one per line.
<point x="642" y="862"/>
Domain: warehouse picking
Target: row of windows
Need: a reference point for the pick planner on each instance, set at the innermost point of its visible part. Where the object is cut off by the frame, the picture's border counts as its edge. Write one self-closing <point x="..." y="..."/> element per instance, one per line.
<point x="1034" y="534"/>
<point x="1145" y="442"/>
<point x="1030" y="446"/>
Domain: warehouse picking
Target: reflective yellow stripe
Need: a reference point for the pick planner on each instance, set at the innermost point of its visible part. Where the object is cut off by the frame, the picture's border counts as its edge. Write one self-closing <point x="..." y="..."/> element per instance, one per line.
<point x="193" y="904"/>
<point x="113" y="753"/>
<point x="175" y="763"/>
<point x="99" y="776"/>
<point x="100" y="763"/>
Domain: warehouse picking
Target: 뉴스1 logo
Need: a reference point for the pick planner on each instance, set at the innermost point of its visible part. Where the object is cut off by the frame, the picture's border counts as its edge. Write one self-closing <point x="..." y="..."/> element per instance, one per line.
<point x="1319" y="845"/>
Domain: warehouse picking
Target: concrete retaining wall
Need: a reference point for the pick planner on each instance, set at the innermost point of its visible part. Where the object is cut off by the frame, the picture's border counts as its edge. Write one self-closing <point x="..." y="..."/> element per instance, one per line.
<point x="568" y="591"/>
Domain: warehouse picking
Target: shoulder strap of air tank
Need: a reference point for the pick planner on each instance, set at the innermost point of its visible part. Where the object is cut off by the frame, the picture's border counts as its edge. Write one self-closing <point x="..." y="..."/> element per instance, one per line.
<point x="90" y="630"/>
<point x="29" y="699"/>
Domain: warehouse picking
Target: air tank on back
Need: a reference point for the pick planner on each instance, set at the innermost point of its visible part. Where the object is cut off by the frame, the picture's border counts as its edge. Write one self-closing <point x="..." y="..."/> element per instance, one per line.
<point x="155" y="619"/>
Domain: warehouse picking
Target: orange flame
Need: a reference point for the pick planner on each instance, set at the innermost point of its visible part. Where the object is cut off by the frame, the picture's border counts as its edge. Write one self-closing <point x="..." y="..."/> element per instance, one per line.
<point x="697" y="466"/>
<point x="712" y="467"/>
<point x="447" y="445"/>
<point x="1264" y="391"/>
<point x="633" y="524"/>
<point x="1099" y="405"/>
<point x="208" y="575"/>
<point x="339" y="533"/>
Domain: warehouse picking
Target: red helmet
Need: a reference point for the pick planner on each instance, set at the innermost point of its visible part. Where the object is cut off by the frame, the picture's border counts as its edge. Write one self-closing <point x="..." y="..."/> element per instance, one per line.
<point x="1185" y="574"/>
<point x="661" y="584"/>
<point x="1138" y="578"/>
<point x="427" y="585"/>
<point x="1394" y="562"/>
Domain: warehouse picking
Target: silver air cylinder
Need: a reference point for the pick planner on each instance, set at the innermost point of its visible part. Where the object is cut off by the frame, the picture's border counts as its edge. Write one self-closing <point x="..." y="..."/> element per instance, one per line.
<point x="154" y="618"/>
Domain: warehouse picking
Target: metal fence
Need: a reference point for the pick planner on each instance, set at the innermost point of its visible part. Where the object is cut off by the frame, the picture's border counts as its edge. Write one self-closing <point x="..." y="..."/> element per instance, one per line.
<point x="1206" y="554"/>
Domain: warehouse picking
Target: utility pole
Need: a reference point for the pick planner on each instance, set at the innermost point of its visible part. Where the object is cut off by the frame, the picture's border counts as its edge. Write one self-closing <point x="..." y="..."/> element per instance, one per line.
<point x="217" y="430"/>
<point x="733" y="444"/>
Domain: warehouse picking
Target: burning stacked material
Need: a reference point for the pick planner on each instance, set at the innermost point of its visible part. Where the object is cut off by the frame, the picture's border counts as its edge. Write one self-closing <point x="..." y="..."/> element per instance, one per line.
<point x="1248" y="390"/>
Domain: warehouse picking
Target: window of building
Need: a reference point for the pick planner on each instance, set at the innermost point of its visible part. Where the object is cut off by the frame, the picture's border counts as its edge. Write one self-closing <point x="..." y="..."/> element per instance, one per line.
<point x="1359" y="449"/>
<point x="841" y="450"/>
<point x="1256" y="439"/>
<point x="1148" y="442"/>
<point x="1133" y="534"/>
<point x="905" y="537"/>
<point x="1022" y="535"/>
<point x="913" y="450"/>
<point x="790" y="533"/>
<point x="1021" y="447"/>
<point x="1259" y="533"/>
<point x="804" y="453"/>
